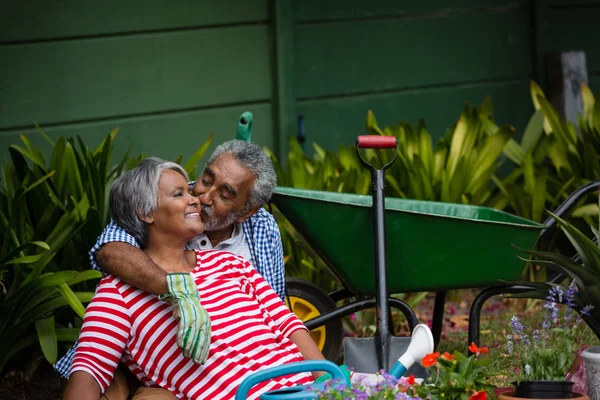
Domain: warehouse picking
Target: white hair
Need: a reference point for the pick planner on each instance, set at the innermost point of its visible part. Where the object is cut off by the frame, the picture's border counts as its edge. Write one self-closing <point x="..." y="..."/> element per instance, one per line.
<point x="136" y="192"/>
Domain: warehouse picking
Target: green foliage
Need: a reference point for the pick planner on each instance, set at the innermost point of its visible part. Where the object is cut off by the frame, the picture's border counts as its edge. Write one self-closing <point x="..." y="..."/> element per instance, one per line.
<point x="586" y="275"/>
<point x="457" y="170"/>
<point x="555" y="160"/>
<point x="52" y="213"/>
<point x="454" y="377"/>
<point x="43" y="211"/>
<point x="548" y="352"/>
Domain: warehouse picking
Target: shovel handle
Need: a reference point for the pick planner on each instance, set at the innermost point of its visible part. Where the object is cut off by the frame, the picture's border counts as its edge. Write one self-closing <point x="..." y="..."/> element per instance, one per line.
<point x="376" y="142"/>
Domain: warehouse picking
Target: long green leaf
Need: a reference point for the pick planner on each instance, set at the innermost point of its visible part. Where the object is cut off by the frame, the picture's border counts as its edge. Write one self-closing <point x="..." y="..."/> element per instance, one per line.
<point x="71" y="299"/>
<point x="47" y="338"/>
<point x="561" y="263"/>
<point x="536" y="92"/>
<point x="533" y="132"/>
<point x="18" y="250"/>
<point x="67" y="226"/>
<point x="587" y="250"/>
<point x="193" y="161"/>
<point x="67" y="334"/>
<point x="43" y="134"/>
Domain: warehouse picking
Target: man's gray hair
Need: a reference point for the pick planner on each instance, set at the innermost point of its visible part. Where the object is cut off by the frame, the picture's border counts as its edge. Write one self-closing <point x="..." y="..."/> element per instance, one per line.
<point x="252" y="157"/>
<point x="136" y="192"/>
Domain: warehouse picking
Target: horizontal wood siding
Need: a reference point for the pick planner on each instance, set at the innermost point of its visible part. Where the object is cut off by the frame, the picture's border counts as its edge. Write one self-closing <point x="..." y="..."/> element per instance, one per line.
<point x="574" y="25"/>
<point x="163" y="72"/>
<point x="28" y="20"/>
<point x="170" y="73"/>
<point x="167" y="135"/>
<point x="409" y="61"/>
<point x="340" y="120"/>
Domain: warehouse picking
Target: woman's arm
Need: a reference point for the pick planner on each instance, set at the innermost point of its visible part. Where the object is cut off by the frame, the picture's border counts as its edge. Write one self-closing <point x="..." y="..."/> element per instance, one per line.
<point x="82" y="386"/>
<point x="102" y="340"/>
<point x="308" y="348"/>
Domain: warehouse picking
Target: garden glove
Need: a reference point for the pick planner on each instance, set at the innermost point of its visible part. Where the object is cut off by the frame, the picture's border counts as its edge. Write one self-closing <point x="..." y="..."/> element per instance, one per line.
<point x="193" y="331"/>
<point x="327" y="376"/>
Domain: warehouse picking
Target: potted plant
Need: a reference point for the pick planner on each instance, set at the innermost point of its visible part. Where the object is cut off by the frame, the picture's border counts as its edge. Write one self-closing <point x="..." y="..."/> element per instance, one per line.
<point x="584" y="285"/>
<point x="541" y="357"/>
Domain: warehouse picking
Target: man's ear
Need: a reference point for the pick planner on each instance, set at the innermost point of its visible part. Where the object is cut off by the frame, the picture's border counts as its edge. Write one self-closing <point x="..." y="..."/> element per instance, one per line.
<point x="247" y="215"/>
<point x="148" y="220"/>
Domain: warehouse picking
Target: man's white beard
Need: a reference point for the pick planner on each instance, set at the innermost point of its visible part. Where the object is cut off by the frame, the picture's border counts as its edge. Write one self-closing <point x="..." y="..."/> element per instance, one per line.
<point x="217" y="224"/>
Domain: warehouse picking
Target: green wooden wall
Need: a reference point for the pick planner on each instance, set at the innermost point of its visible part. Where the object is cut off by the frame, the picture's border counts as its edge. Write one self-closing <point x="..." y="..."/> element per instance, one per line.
<point x="168" y="73"/>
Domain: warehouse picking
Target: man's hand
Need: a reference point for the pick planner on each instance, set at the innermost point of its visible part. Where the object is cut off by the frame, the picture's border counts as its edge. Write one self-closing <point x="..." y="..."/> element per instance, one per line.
<point x="193" y="332"/>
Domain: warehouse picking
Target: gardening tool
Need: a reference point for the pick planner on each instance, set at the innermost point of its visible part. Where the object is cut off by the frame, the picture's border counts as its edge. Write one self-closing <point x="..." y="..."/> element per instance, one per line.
<point x="244" y="127"/>
<point x="374" y="354"/>
<point x="292" y="393"/>
<point x="421" y="344"/>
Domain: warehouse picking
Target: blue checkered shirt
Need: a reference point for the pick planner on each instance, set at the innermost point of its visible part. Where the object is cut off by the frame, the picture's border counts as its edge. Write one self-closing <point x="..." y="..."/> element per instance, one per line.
<point x="264" y="241"/>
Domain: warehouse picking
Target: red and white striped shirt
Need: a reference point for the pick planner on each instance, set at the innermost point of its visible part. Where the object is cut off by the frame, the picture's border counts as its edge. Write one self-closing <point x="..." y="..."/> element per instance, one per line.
<point x="250" y="331"/>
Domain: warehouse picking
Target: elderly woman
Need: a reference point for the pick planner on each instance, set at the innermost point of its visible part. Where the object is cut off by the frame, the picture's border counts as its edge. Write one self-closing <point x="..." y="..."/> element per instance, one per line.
<point x="251" y="328"/>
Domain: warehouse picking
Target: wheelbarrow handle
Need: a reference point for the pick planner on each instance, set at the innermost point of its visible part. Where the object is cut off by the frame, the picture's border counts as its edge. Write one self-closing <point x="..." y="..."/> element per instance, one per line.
<point x="376" y="142"/>
<point x="286" y="369"/>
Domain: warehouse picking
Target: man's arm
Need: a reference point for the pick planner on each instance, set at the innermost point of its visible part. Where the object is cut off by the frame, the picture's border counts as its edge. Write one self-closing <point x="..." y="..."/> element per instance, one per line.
<point x="82" y="386"/>
<point x="133" y="266"/>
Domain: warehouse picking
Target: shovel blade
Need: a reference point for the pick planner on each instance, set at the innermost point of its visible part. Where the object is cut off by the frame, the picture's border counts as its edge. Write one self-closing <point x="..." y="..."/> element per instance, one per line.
<point x="361" y="356"/>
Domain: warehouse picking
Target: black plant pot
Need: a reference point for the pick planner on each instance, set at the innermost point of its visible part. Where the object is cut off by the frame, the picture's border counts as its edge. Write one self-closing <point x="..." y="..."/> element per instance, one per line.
<point x="544" y="389"/>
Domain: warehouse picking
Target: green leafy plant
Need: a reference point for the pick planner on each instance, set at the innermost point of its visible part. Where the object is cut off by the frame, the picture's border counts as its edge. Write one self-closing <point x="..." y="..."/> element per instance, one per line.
<point x="30" y="292"/>
<point x="585" y="275"/>
<point x="52" y="213"/>
<point x="457" y="170"/>
<point x="455" y="376"/>
<point x="547" y="352"/>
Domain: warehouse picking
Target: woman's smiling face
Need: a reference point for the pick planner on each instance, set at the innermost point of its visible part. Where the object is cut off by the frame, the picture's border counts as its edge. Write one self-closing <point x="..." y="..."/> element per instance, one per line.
<point x="177" y="211"/>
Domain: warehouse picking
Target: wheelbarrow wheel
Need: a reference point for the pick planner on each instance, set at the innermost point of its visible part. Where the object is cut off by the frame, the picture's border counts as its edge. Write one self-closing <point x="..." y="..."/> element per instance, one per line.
<point x="307" y="301"/>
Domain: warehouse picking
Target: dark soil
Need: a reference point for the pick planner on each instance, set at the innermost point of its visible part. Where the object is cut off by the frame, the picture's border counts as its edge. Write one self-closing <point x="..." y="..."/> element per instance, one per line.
<point x="38" y="381"/>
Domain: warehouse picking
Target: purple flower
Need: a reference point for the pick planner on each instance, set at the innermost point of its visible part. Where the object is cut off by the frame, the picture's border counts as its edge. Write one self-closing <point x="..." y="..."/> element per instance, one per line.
<point x="536" y="336"/>
<point x="519" y="329"/>
<point x="586" y="310"/>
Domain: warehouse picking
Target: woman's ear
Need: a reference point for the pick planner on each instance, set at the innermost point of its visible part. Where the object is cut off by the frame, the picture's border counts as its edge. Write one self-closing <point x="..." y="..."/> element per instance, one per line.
<point x="148" y="220"/>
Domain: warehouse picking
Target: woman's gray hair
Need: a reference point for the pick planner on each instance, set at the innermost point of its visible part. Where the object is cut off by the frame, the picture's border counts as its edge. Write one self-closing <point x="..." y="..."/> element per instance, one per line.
<point x="252" y="157"/>
<point x="136" y="192"/>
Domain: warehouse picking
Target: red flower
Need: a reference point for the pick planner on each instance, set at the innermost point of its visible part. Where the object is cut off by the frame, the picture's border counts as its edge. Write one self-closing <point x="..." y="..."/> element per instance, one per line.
<point x="411" y="379"/>
<point x="477" y="350"/>
<point x="448" y="356"/>
<point x="430" y="359"/>
<point x="478" y="396"/>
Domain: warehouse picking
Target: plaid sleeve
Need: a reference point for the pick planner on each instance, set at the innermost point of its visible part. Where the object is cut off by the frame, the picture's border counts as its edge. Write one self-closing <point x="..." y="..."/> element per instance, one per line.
<point x="63" y="366"/>
<point x="264" y="236"/>
<point x="112" y="233"/>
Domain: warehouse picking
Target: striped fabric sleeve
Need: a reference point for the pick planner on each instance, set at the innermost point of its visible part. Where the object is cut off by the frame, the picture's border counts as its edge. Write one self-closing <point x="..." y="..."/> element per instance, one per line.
<point x="287" y="322"/>
<point x="104" y="334"/>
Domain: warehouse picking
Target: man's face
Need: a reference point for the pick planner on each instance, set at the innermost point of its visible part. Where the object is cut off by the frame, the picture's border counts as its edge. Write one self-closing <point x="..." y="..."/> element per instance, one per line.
<point x="223" y="190"/>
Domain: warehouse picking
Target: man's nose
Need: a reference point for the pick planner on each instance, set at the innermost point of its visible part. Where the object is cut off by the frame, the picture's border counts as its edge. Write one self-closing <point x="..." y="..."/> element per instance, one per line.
<point x="206" y="197"/>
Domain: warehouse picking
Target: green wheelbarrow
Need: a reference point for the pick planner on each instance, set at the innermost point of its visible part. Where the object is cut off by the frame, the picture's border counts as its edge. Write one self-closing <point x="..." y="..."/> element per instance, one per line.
<point x="431" y="246"/>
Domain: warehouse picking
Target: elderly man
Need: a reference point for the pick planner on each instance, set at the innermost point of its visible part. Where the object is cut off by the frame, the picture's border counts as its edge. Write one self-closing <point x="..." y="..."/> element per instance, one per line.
<point x="234" y="186"/>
